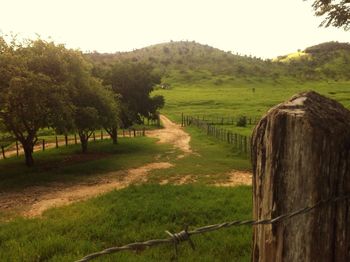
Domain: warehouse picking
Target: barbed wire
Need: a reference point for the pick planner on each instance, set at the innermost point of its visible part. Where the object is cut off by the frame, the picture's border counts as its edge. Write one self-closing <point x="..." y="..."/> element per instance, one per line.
<point x="184" y="235"/>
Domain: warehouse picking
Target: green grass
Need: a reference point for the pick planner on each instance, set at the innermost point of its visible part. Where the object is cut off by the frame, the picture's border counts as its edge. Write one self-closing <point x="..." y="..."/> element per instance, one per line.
<point x="68" y="165"/>
<point x="208" y="164"/>
<point x="134" y="214"/>
<point x="235" y="96"/>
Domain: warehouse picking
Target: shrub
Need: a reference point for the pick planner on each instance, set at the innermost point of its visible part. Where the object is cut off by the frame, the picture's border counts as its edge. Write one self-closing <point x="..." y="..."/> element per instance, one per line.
<point x="242" y="121"/>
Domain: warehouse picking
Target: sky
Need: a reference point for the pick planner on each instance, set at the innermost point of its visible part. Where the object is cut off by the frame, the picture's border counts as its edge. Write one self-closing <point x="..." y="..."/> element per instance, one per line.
<point x="263" y="28"/>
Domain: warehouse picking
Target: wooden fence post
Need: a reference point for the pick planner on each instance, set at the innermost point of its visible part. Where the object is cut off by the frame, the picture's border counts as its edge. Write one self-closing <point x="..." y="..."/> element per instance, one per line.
<point x="43" y="144"/>
<point x="3" y="152"/>
<point x="66" y="139"/>
<point x="75" y="139"/>
<point x="182" y="119"/>
<point x="101" y="134"/>
<point x="134" y="132"/>
<point x="143" y="131"/>
<point x="94" y="136"/>
<point x="300" y="155"/>
<point x="56" y="142"/>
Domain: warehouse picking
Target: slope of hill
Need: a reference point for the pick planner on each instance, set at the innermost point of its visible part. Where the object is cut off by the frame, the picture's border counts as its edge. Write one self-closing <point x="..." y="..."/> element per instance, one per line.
<point x="330" y="60"/>
<point x="325" y="61"/>
<point x="186" y="55"/>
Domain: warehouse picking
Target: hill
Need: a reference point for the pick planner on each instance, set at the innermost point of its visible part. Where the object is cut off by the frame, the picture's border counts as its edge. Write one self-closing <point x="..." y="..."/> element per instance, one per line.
<point x="325" y="61"/>
<point x="330" y="60"/>
<point x="191" y="56"/>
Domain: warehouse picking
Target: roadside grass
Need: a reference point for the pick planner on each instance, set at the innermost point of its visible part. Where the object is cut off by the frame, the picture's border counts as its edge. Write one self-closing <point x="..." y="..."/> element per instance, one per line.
<point x="238" y="96"/>
<point x="69" y="165"/>
<point x="209" y="163"/>
<point x="137" y="213"/>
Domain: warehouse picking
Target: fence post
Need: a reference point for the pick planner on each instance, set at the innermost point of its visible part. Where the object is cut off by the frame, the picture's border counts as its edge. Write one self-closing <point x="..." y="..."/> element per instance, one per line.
<point x="17" y="150"/>
<point x="94" y="136"/>
<point x="143" y="131"/>
<point x="66" y="139"/>
<point x="134" y="132"/>
<point x="3" y="152"/>
<point x="43" y="144"/>
<point x="300" y="156"/>
<point x="182" y="119"/>
<point x="101" y="134"/>
<point x="75" y="139"/>
<point x="56" y="140"/>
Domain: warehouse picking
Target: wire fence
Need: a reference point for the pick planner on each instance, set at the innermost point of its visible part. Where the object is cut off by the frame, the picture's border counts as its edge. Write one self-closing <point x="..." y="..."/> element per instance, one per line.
<point x="240" y="143"/>
<point x="176" y="238"/>
<point x="55" y="141"/>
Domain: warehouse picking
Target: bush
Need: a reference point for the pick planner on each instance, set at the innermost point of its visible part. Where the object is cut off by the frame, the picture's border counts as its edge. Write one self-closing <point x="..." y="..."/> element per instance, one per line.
<point x="242" y="121"/>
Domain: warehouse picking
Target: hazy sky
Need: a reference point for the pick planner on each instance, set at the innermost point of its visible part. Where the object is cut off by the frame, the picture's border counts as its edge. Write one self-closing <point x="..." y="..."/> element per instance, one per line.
<point x="265" y="28"/>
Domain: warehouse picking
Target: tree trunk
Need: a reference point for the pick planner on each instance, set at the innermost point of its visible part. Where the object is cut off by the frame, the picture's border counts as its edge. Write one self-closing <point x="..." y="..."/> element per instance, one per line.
<point x="28" y="153"/>
<point x="114" y="135"/>
<point x="300" y="155"/>
<point x="84" y="142"/>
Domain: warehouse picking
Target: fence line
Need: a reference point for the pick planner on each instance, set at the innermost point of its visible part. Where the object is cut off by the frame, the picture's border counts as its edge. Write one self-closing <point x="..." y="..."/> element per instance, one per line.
<point x="240" y="142"/>
<point x="16" y="149"/>
<point x="185" y="235"/>
<point x="219" y="120"/>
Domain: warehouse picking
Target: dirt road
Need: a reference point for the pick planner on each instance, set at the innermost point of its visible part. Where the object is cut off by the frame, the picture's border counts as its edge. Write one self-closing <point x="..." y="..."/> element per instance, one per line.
<point x="34" y="200"/>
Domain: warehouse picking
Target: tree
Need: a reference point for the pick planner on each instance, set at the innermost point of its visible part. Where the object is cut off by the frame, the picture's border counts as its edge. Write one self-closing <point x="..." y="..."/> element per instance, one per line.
<point x="336" y="12"/>
<point x="133" y="82"/>
<point x="95" y="107"/>
<point x="32" y="80"/>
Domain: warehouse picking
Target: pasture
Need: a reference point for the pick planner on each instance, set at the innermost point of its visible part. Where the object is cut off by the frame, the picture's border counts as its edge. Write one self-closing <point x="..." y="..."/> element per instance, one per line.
<point x="187" y="191"/>
<point x="238" y="96"/>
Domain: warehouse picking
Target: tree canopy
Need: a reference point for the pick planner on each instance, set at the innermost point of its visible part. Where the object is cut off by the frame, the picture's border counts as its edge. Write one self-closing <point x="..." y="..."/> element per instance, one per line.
<point x="46" y="85"/>
<point x="134" y="82"/>
<point x="336" y="12"/>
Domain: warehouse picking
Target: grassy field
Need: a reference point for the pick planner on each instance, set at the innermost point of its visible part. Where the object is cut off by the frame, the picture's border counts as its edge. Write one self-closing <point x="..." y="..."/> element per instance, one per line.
<point x="68" y="165"/>
<point x="234" y="96"/>
<point x="209" y="164"/>
<point x="143" y="212"/>
<point x="134" y="214"/>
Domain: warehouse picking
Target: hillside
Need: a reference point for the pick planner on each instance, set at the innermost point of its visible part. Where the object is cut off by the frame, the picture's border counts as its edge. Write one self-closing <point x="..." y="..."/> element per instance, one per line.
<point x="186" y="55"/>
<point x="324" y="61"/>
<point x="330" y="60"/>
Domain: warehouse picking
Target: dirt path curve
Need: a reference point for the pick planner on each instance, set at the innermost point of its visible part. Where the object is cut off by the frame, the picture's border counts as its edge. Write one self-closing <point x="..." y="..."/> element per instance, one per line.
<point x="34" y="200"/>
<point x="172" y="134"/>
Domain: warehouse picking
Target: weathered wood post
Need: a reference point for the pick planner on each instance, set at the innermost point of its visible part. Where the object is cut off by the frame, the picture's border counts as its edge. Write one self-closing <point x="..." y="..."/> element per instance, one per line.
<point x="301" y="155"/>
<point x="75" y="139"/>
<point x="66" y="139"/>
<point x="43" y="145"/>
<point x="56" y="140"/>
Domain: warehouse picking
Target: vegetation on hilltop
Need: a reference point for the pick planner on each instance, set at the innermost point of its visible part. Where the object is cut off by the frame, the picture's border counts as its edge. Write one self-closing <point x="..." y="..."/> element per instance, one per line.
<point x="183" y="57"/>
<point x="186" y="55"/>
<point x="330" y="60"/>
